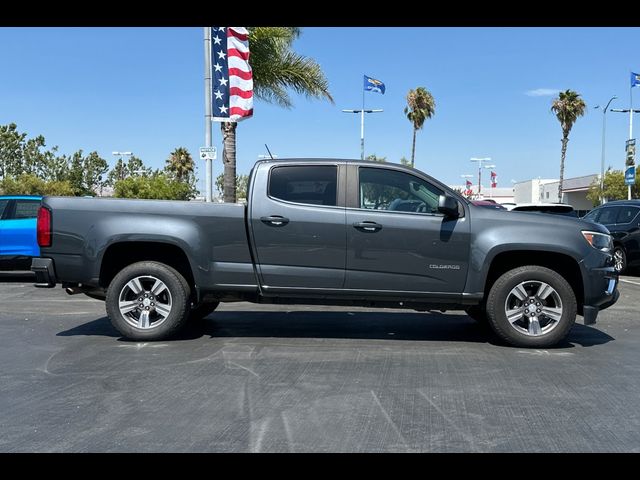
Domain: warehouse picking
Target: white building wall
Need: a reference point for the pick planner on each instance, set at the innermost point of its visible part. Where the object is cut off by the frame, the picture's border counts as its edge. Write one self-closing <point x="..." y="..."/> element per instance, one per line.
<point x="533" y="191"/>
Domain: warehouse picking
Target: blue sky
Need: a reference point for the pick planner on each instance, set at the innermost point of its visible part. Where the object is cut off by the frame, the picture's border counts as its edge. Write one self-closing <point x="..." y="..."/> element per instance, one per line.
<point x="141" y="89"/>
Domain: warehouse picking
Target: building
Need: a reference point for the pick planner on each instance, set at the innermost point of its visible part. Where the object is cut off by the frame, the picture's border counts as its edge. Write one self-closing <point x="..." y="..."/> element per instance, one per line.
<point x="499" y="194"/>
<point x="574" y="191"/>
<point x="531" y="191"/>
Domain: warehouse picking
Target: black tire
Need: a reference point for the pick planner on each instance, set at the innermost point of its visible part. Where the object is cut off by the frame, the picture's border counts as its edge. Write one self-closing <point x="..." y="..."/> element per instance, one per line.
<point x="497" y="304"/>
<point x="478" y="313"/>
<point x="620" y="259"/>
<point x="176" y="286"/>
<point x="201" y="311"/>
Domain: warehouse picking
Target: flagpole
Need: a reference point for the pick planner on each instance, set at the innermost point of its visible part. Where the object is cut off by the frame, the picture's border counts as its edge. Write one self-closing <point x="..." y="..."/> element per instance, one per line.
<point x="207" y="108"/>
<point x="362" y="128"/>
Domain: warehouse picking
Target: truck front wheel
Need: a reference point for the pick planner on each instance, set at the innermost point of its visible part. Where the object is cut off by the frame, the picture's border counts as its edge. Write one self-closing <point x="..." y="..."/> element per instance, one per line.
<point x="531" y="306"/>
<point x="148" y="301"/>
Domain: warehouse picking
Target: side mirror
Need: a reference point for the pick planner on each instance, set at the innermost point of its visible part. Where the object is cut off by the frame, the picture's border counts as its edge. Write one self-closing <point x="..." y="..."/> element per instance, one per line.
<point x="448" y="205"/>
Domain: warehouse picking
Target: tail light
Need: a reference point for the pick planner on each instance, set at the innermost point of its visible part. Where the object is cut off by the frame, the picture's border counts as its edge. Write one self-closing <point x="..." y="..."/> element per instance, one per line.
<point x="44" y="227"/>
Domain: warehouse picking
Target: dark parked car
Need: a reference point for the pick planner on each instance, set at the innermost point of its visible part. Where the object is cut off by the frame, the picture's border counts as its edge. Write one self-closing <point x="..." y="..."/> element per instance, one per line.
<point x="18" y="243"/>
<point x="623" y="221"/>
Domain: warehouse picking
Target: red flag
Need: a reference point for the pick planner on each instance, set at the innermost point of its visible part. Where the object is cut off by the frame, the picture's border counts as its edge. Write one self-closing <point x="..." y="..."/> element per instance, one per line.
<point x="494" y="181"/>
<point x="469" y="184"/>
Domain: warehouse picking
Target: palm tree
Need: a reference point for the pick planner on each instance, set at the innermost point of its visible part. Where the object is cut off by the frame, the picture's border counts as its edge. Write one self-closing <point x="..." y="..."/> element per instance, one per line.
<point x="180" y="164"/>
<point x="276" y="69"/>
<point x="567" y="107"/>
<point x="420" y="106"/>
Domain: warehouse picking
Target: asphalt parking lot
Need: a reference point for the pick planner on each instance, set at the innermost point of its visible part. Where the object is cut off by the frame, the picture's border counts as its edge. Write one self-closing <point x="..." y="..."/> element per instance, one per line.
<point x="258" y="378"/>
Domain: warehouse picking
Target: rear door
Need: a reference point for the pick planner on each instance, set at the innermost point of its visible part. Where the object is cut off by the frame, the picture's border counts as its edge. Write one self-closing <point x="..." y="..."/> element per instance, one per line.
<point x="297" y="220"/>
<point x="19" y="228"/>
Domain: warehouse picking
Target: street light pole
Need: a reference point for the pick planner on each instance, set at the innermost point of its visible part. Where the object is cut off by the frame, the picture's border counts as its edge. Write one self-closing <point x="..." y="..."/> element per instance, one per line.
<point x="480" y="160"/>
<point x="631" y="111"/>
<point x="362" y="112"/>
<point x="208" y="111"/>
<point x="604" y="127"/>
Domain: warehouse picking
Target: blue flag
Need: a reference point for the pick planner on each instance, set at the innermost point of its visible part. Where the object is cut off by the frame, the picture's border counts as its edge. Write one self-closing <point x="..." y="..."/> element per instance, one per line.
<point x="635" y="79"/>
<point x="373" y="85"/>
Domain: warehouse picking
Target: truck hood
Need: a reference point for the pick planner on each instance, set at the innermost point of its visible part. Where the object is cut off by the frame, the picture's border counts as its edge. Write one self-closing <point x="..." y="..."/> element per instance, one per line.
<point x="535" y="219"/>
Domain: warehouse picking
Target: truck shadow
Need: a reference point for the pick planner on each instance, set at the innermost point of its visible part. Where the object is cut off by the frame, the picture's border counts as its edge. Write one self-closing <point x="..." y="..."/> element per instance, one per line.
<point x="409" y="326"/>
<point x="8" y="276"/>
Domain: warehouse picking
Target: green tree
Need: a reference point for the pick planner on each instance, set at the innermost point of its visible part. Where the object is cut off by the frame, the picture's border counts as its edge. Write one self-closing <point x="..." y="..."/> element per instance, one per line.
<point x="87" y="174"/>
<point x="374" y="158"/>
<point x="568" y="107"/>
<point x="405" y="162"/>
<point x="11" y="146"/>
<point x="157" y="186"/>
<point x="21" y="155"/>
<point x="614" y="187"/>
<point x="276" y="68"/>
<point x="54" y="167"/>
<point x="180" y="164"/>
<point x="242" y="182"/>
<point x="30" y="184"/>
<point x="420" y="106"/>
<point x="134" y="167"/>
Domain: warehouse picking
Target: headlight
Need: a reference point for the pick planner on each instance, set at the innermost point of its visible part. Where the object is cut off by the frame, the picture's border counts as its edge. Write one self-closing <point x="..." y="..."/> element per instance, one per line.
<point x="598" y="240"/>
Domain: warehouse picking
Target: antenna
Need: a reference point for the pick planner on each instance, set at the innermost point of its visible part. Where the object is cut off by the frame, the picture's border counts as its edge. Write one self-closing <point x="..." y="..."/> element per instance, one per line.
<point x="265" y="145"/>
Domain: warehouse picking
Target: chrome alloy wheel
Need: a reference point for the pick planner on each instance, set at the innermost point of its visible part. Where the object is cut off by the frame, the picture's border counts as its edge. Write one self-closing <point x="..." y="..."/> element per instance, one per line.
<point x="533" y="308"/>
<point x="145" y="302"/>
<point x="618" y="260"/>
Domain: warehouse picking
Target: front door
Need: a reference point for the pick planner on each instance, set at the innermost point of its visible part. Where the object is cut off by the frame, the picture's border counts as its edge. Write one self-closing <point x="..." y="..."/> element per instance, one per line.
<point x="396" y="239"/>
<point x="298" y="227"/>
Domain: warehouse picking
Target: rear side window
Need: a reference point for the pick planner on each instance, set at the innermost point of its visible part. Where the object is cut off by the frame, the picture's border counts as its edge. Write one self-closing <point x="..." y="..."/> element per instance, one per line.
<point x="627" y="214"/>
<point x="3" y="206"/>
<point x="26" y="209"/>
<point x="608" y="215"/>
<point x="308" y="184"/>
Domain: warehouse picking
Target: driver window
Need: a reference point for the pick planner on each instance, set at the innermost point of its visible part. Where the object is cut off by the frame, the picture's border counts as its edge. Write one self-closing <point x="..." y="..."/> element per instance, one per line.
<point x="391" y="190"/>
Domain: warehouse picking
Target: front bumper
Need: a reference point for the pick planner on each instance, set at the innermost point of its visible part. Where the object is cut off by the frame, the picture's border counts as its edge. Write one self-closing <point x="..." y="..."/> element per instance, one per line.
<point x="600" y="286"/>
<point x="45" y="272"/>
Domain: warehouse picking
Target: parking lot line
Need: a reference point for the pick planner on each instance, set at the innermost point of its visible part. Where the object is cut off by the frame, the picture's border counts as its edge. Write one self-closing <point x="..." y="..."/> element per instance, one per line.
<point x="629" y="281"/>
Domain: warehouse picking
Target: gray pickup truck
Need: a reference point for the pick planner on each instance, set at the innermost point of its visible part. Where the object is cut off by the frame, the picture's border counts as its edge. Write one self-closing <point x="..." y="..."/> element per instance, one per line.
<point x="328" y="232"/>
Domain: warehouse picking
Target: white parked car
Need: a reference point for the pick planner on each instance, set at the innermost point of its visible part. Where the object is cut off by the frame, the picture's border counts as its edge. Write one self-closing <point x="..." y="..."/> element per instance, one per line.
<point x="555" y="208"/>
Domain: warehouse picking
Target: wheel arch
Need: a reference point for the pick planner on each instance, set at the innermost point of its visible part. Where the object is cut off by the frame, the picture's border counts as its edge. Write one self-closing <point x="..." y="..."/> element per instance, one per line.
<point x="563" y="264"/>
<point x="121" y="254"/>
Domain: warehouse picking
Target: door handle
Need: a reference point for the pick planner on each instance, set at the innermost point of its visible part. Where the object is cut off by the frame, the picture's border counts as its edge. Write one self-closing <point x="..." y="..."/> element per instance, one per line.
<point x="275" y="220"/>
<point x="368" y="226"/>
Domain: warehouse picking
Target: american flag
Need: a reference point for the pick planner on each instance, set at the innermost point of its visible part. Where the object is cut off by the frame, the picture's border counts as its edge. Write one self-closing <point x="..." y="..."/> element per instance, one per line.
<point x="232" y="77"/>
<point x="494" y="179"/>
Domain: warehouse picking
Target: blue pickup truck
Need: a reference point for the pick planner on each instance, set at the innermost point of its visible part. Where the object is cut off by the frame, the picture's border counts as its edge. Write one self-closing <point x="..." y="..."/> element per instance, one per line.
<point x="18" y="242"/>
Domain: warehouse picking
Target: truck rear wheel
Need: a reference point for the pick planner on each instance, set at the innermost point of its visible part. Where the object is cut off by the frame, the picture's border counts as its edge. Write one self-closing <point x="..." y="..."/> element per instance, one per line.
<point x="531" y="306"/>
<point x="148" y="301"/>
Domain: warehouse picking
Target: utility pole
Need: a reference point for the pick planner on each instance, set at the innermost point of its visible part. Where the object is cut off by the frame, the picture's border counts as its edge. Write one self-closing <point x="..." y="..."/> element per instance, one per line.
<point x="480" y="160"/>
<point x="207" y="109"/>
<point x="631" y="112"/>
<point x="362" y="112"/>
<point x="604" y="127"/>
